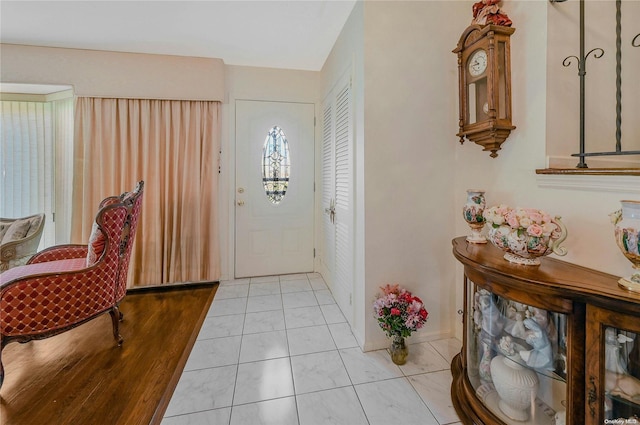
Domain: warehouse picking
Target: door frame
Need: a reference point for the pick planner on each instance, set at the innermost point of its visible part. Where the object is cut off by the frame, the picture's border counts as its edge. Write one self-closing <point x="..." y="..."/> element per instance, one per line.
<point x="227" y="181"/>
<point x="349" y="309"/>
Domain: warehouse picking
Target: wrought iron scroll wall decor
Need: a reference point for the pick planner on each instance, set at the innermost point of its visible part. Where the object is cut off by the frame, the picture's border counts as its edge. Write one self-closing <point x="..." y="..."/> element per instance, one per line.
<point x="582" y="71"/>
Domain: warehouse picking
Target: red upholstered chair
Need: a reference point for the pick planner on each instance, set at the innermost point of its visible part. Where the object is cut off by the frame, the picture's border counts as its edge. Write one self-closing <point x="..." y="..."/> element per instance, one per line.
<point x="66" y="285"/>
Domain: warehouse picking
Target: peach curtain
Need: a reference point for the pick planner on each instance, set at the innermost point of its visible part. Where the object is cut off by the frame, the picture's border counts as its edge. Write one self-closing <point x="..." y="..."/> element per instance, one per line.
<point x="174" y="147"/>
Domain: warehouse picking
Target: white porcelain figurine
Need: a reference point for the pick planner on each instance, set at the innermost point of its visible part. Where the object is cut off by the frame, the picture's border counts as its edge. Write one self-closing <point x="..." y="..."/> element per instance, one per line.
<point x="541" y="357"/>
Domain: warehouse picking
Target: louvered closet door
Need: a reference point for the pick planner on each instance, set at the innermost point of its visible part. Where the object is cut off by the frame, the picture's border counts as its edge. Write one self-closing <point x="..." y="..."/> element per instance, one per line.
<point x="328" y="193"/>
<point x="337" y="195"/>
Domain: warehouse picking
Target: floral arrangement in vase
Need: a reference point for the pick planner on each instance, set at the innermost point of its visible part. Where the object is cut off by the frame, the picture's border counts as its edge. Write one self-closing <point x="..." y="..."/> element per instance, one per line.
<point x="399" y="313"/>
<point x="525" y="233"/>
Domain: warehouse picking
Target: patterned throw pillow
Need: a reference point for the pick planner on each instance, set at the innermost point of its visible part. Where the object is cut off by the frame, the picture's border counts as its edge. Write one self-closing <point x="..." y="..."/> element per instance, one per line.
<point x="35" y="224"/>
<point x="4" y="226"/>
<point x="97" y="243"/>
<point x="16" y="231"/>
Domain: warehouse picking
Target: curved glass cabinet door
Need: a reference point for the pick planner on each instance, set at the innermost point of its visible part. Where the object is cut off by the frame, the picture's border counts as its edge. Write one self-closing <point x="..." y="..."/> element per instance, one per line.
<point x="516" y="358"/>
<point x="613" y="367"/>
<point x="621" y="376"/>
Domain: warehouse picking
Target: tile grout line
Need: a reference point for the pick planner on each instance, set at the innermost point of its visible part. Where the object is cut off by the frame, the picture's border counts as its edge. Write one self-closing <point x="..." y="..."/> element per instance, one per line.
<point x="235" y="382"/>
<point x="293" y="379"/>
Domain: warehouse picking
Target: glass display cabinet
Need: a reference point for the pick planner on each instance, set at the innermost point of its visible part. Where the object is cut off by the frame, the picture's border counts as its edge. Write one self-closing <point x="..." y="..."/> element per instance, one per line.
<point x="549" y="344"/>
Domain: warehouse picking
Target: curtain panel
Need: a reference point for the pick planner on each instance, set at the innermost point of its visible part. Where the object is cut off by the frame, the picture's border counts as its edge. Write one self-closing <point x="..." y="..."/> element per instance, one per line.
<point x="174" y="147"/>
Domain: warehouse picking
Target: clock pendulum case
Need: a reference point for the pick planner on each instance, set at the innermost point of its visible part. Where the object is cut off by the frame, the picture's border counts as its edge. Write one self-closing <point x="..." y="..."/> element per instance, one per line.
<point x="484" y="85"/>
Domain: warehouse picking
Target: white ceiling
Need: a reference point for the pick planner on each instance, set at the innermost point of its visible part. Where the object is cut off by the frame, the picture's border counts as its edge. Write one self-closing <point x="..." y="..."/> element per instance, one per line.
<point x="292" y="34"/>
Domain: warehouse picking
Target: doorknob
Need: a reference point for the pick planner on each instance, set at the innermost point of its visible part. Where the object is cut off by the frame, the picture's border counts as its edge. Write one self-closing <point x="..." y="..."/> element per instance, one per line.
<point x="240" y="203"/>
<point x="331" y="211"/>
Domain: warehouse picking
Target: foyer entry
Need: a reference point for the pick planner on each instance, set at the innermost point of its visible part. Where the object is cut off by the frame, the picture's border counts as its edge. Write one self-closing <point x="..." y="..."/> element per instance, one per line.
<point x="274" y="200"/>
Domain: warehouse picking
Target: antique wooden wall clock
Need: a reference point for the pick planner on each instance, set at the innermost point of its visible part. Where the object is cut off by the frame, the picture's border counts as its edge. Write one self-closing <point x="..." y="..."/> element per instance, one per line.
<point x="484" y="80"/>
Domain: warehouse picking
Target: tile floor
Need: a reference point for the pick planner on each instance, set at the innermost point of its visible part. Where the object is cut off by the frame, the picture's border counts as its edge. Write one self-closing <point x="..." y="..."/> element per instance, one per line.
<point x="277" y="350"/>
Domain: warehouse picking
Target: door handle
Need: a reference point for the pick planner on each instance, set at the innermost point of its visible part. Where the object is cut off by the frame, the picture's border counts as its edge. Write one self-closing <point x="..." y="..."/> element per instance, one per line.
<point x="331" y="211"/>
<point x="240" y="203"/>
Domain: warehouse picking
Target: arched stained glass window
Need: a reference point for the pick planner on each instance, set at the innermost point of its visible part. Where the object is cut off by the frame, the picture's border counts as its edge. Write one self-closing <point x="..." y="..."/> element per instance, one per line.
<point x="276" y="165"/>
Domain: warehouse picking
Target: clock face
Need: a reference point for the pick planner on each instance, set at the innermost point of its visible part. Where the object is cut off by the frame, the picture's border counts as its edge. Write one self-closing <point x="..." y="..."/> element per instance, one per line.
<point x="477" y="63"/>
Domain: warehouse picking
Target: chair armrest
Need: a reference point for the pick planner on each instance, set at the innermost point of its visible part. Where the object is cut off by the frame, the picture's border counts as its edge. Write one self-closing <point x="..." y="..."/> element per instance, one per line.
<point x="73" y="292"/>
<point x="18" y="249"/>
<point x="59" y="252"/>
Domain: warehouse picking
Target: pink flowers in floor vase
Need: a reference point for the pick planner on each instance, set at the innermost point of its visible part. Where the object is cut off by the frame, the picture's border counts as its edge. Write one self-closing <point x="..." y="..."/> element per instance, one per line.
<point x="399" y="312"/>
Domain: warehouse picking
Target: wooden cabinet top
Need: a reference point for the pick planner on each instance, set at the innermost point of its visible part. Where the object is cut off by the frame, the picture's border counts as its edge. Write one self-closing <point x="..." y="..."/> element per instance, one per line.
<point x="553" y="277"/>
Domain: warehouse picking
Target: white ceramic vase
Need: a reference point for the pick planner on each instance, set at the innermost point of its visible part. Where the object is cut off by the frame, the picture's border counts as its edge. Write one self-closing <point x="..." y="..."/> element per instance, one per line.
<point x="472" y="213"/>
<point x="516" y="385"/>
<point x="627" y="233"/>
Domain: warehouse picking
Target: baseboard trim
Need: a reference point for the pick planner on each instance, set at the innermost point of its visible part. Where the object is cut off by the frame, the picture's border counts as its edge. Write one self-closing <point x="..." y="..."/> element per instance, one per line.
<point x="171" y="287"/>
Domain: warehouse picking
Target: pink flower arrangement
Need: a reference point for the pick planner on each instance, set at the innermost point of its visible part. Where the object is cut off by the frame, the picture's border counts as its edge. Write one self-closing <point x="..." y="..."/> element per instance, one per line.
<point x="399" y="312"/>
<point x="529" y="221"/>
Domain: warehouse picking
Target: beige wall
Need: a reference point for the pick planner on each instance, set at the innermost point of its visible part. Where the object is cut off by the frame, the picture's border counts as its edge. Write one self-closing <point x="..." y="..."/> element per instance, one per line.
<point x="404" y="86"/>
<point x="115" y="74"/>
<point x="410" y="124"/>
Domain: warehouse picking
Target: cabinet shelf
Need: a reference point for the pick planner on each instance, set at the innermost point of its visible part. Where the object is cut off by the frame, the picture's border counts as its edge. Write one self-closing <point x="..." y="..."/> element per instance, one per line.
<point x="624" y="401"/>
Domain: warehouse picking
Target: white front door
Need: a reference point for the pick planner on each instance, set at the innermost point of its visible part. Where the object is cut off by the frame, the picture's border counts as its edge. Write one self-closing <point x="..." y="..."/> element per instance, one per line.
<point x="274" y="188"/>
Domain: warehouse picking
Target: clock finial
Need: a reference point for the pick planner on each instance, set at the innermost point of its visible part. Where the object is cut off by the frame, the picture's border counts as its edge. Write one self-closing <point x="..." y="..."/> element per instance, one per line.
<point x="489" y="12"/>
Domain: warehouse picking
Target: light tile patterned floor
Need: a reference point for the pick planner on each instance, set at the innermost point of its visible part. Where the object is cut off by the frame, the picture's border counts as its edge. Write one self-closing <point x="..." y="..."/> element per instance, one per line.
<point x="278" y="351"/>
